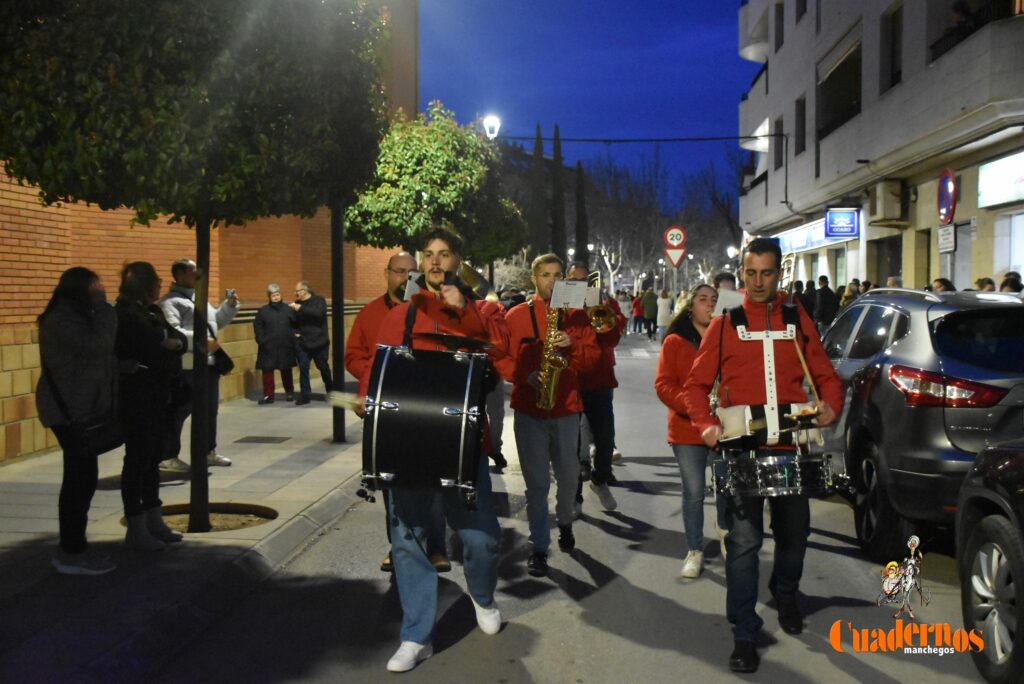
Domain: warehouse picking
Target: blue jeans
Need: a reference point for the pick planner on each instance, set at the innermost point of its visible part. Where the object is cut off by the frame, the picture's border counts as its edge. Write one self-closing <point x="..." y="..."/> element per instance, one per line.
<point x="543" y="444"/>
<point x="320" y="358"/>
<point x="597" y="407"/>
<point x="791" y="524"/>
<point x="693" y="459"/>
<point x="410" y="513"/>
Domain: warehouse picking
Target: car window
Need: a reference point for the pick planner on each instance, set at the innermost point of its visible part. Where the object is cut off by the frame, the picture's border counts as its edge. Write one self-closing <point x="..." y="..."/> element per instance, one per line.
<point x="988" y="338"/>
<point x="902" y="327"/>
<point x="838" y="336"/>
<point x="872" y="333"/>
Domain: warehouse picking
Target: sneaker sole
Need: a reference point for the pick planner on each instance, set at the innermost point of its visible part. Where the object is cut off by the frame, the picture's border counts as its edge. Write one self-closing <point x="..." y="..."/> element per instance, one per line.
<point x="63" y="569"/>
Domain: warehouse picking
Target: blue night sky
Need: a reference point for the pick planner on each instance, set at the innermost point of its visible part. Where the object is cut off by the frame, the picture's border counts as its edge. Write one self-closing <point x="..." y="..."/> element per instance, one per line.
<point x="599" y="69"/>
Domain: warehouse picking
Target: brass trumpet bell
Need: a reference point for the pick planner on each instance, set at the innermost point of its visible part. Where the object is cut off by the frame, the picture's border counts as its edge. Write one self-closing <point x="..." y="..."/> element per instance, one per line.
<point x="602" y="319"/>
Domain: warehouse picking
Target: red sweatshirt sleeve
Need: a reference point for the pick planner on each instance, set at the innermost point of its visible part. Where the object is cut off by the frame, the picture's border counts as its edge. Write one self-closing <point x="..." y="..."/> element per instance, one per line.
<point x="674" y="363"/>
<point x="359" y="348"/>
<point x="702" y="378"/>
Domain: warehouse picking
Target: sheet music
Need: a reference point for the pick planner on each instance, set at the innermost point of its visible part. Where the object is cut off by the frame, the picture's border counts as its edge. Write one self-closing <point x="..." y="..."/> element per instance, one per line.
<point x="569" y="293"/>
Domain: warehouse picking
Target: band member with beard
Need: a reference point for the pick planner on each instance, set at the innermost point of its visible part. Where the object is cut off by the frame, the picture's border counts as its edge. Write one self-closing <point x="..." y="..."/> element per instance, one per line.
<point x="596" y="392"/>
<point x="753" y="354"/>
<point x="359" y="352"/>
<point x="548" y="438"/>
<point x="442" y="308"/>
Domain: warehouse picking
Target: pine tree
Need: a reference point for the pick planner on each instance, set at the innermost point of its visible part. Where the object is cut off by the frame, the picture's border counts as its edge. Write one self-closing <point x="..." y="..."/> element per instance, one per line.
<point x="582" y="226"/>
<point x="558" y="237"/>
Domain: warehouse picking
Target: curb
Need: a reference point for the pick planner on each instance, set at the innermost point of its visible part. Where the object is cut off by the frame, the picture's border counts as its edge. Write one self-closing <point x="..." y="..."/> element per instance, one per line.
<point x="147" y="650"/>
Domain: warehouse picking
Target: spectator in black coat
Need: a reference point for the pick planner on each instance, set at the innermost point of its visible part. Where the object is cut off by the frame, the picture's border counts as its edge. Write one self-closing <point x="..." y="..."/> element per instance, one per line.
<point x="809" y="298"/>
<point x="826" y="305"/>
<point x="274" y="327"/>
<point x="149" y="352"/>
<point x="314" y="343"/>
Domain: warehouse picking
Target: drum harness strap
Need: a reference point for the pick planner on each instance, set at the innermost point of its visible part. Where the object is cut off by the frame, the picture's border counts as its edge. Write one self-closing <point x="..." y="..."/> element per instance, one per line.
<point x="791" y="319"/>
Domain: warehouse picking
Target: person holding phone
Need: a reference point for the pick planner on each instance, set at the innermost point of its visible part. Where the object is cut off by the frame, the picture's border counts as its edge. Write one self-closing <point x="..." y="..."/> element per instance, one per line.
<point x="179" y="309"/>
<point x="314" y="342"/>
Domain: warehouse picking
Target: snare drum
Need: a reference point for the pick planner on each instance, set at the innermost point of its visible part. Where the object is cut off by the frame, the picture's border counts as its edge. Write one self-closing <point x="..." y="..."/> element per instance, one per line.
<point x="769" y="474"/>
<point x="424" y="418"/>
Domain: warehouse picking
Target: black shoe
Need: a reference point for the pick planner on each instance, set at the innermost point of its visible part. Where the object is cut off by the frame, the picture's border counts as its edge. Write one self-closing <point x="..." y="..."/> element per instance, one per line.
<point x="586" y="472"/>
<point x="269" y="399"/>
<point x="791" y="619"/>
<point x="566" y="539"/>
<point x="537" y="565"/>
<point x="744" y="657"/>
<point x="289" y="397"/>
<point x="304" y="399"/>
<point x="499" y="462"/>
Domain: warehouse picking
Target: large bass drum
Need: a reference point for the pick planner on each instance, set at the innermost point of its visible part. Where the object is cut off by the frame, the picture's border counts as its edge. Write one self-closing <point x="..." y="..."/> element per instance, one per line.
<point x="424" y="419"/>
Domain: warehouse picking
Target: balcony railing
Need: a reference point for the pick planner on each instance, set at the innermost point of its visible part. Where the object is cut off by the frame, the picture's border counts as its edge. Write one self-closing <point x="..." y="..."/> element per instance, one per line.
<point x="763" y="71"/>
<point x="969" y="24"/>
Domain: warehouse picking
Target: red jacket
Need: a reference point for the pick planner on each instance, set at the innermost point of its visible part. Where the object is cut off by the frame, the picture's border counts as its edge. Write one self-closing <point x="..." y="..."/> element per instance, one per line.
<point x="603" y="374"/>
<point x="638" y="307"/>
<point x="525" y="347"/>
<point x="479" y="319"/>
<point x="743" y="365"/>
<point x="361" y="345"/>
<point x="677" y="355"/>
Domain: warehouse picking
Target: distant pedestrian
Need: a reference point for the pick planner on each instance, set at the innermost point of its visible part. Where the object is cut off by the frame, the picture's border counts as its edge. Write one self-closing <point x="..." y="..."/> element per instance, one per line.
<point x="826" y="305"/>
<point x="809" y="298"/>
<point x="314" y="342"/>
<point x="149" y="353"/>
<point x="850" y="295"/>
<point x="1011" y="284"/>
<point x="76" y="346"/>
<point x="943" y="285"/>
<point x="665" y="306"/>
<point x="275" y="342"/>
<point x="985" y="285"/>
<point x="650" y="304"/>
<point x="865" y="287"/>
<point x="894" y="281"/>
<point x="638" y="314"/>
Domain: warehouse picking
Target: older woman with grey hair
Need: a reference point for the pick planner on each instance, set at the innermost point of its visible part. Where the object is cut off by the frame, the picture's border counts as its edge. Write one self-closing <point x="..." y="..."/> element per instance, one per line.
<point x="275" y="340"/>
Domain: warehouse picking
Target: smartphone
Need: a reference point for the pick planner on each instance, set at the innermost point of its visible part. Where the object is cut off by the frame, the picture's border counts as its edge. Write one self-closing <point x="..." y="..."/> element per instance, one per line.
<point x="230" y="293"/>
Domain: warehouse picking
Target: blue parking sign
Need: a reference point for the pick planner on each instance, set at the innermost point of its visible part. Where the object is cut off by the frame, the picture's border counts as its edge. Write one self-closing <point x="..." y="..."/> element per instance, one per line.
<point x="842" y="223"/>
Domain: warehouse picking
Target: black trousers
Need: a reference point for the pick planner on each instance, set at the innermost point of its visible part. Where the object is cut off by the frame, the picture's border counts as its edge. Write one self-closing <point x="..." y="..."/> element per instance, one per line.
<point x="77" y="487"/>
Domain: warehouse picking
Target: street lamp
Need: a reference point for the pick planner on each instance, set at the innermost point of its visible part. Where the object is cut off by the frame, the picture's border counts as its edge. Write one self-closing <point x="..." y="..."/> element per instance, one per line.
<point x="732" y="252"/>
<point x="492" y="124"/>
<point x="572" y="252"/>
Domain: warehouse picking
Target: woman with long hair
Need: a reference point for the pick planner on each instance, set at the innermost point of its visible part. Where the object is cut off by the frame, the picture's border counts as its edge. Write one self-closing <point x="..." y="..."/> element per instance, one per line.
<point x="76" y="345"/>
<point x="678" y="351"/>
<point x="849" y="295"/>
<point x="149" y="355"/>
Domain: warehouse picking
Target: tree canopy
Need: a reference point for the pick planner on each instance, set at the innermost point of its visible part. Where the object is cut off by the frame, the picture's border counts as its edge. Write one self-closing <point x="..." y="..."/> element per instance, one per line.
<point x="432" y="170"/>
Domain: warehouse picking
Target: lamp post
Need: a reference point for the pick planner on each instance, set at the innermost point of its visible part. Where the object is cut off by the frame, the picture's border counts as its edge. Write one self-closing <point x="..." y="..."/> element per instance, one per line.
<point x="492" y="124"/>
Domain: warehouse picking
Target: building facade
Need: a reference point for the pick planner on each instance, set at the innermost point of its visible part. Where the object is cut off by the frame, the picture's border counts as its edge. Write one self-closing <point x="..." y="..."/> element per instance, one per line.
<point x="890" y="108"/>
<point x="37" y="243"/>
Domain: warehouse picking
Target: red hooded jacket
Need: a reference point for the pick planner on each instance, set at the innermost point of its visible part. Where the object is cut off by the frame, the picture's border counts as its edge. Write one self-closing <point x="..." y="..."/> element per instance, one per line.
<point x="603" y="374"/>
<point x="677" y="354"/>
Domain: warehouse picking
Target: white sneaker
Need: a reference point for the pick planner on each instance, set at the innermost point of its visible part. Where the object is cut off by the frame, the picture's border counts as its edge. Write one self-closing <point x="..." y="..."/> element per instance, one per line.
<point x="616" y="454"/>
<point x="608" y="501"/>
<point x="87" y="563"/>
<point x="693" y="565"/>
<point x="215" y="459"/>
<point x="174" y="465"/>
<point x="408" y="655"/>
<point x="488" y="619"/>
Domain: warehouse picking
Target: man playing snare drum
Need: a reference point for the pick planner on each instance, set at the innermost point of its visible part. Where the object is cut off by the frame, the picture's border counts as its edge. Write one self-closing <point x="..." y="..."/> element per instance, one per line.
<point x="762" y="370"/>
<point x="441" y="308"/>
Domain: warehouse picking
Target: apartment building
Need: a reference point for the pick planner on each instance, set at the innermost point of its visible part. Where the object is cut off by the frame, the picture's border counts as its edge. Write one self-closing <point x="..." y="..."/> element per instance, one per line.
<point x="909" y="114"/>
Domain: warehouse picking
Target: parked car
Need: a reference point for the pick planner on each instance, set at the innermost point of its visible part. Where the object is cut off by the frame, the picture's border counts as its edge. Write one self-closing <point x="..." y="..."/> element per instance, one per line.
<point x="931" y="379"/>
<point x="990" y="556"/>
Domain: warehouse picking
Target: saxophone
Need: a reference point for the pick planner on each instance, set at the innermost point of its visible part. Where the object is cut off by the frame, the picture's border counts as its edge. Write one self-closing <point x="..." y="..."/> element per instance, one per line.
<point x="551" y="364"/>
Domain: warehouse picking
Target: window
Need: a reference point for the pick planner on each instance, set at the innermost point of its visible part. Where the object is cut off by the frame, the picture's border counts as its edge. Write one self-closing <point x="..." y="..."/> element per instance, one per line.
<point x="801" y="9"/>
<point x="891" y="43"/>
<point x="902" y="327"/>
<point x="839" y="93"/>
<point x="992" y="339"/>
<point x="780" y="24"/>
<point x="873" y="332"/>
<point x="838" y="335"/>
<point x="778" y="144"/>
<point x="800" y="129"/>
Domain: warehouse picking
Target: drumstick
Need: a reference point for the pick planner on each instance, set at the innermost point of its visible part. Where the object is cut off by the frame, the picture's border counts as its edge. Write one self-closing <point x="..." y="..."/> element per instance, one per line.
<point x="344" y="400"/>
<point x="807" y="371"/>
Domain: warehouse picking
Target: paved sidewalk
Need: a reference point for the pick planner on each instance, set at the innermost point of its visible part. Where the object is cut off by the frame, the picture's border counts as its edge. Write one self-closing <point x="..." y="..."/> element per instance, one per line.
<point x="120" y="626"/>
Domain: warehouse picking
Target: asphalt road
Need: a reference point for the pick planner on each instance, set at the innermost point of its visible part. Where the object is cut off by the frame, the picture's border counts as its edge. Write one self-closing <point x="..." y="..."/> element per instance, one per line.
<point x="614" y="610"/>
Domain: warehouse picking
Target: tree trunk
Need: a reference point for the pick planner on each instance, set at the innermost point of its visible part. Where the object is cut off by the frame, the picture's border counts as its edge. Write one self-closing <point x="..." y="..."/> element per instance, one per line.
<point x="199" y="503"/>
<point x="338" y="313"/>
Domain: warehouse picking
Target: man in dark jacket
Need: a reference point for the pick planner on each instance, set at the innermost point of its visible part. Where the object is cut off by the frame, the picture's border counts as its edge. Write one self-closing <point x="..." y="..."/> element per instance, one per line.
<point x="274" y="327"/>
<point x="809" y="298"/>
<point x="826" y="305"/>
<point x="314" y="343"/>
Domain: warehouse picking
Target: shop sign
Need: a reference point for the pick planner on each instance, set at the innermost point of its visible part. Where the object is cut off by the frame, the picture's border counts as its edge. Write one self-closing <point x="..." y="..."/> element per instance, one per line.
<point x="1001" y="181"/>
<point x="808" y="237"/>
<point x="842" y="223"/>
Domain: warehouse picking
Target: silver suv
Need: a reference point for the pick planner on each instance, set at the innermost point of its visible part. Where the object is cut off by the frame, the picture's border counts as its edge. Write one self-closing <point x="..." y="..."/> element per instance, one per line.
<point x="930" y="379"/>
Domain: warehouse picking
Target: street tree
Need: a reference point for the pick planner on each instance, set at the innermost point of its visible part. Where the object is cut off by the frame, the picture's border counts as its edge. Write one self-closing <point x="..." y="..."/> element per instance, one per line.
<point x="204" y="113"/>
<point x="558" y="237"/>
<point x="431" y="170"/>
<point x="536" y="209"/>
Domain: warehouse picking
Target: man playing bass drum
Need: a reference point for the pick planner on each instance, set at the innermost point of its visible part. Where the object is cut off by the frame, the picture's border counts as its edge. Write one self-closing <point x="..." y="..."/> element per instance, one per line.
<point x="763" y="370"/>
<point x="441" y="308"/>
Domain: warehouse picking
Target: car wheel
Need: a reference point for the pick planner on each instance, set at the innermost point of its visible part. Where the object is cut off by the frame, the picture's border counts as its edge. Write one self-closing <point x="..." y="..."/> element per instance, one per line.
<point x="991" y="589"/>
<point x="881" y="532"/>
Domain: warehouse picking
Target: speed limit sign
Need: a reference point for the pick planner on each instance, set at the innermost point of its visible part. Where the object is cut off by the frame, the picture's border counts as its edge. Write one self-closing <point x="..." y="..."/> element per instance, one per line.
<point x="675" y="237"/>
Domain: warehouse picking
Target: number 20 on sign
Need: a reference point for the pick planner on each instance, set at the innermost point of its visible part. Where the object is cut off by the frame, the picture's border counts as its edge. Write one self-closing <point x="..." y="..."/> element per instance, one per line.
<point x="675" y="236"/>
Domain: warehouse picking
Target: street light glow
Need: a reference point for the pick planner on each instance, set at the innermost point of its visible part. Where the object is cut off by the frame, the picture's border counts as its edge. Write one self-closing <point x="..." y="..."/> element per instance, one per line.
<point x="731" y="252"/>
<point x="492" y="124"/>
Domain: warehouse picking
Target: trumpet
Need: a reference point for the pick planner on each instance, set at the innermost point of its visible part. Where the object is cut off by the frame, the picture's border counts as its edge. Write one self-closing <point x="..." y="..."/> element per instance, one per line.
<point x="602" y="318"/>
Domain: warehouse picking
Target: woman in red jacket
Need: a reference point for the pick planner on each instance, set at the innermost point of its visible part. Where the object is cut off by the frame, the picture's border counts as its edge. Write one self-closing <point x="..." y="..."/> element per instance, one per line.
<point x="677" y="353"/>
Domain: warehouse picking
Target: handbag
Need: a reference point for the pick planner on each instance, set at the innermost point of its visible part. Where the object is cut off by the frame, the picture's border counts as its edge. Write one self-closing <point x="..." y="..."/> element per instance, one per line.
<point x="222" y="363"/>
<point x="97" y="436"/>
